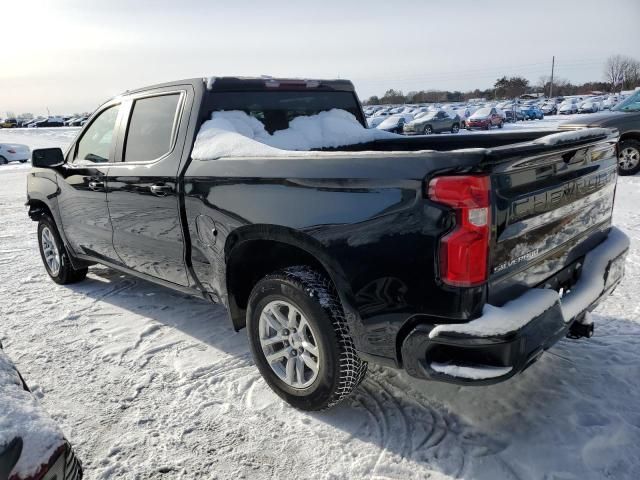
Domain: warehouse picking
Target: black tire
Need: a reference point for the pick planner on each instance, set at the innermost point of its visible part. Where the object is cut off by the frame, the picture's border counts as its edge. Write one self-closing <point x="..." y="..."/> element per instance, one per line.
<point x="428" y="130"/>
<point x="340" y="370"/>
<point x="631" y="150"/>
<point x="455" y="128"/>
<point x="23" y="161"/>
<point x="66" y="274"/>
<point x="488" y="126"/>
<point x="3" y="161"/>
<point x="500" y="124"/>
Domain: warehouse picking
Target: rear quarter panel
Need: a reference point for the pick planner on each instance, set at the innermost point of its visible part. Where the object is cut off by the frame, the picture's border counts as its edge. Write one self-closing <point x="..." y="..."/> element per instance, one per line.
<point x="363" y="217"/>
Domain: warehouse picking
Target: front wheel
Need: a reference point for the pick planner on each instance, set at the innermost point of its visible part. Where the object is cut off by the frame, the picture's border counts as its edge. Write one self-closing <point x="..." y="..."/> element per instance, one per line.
<point x="500" y="124"/>
<point x="455" y="128"/>
<point x="300" y="340"/>
<point x="629" y="157"/>
<point x="54" y="255"/>
<point x="428" y="130"/>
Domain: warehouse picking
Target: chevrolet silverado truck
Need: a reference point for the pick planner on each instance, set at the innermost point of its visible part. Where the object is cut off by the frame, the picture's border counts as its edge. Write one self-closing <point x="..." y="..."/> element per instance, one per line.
<point x="456" y="258"/>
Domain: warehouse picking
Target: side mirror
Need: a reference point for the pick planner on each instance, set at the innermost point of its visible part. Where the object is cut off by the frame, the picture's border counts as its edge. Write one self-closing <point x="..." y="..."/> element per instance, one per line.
<point x="47" y="157"/>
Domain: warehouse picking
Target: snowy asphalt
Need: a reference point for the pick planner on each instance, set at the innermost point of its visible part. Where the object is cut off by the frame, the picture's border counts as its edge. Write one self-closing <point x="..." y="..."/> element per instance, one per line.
<point x="148" y="383"/>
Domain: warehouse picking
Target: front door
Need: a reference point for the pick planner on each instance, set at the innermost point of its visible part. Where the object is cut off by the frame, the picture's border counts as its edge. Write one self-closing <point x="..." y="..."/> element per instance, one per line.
<point x="82" y="183"/>
<point x="142" y="187"/>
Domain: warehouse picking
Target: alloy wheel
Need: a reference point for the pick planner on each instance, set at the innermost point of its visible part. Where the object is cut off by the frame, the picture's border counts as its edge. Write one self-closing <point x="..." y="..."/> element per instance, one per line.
<point x="629" y="158"/>
<point x="289" y="344"/>
<point x="51" y="253"/>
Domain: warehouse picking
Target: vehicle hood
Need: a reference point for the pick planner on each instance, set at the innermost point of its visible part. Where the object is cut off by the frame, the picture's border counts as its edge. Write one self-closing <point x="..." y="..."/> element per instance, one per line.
<point x="15" y="146"/>
<point x="389" y="122"/>
<point x="604" y="119"/>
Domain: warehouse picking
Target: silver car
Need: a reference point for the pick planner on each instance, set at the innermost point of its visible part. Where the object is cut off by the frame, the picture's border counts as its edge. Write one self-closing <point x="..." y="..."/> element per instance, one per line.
<point x="433" y="122"/>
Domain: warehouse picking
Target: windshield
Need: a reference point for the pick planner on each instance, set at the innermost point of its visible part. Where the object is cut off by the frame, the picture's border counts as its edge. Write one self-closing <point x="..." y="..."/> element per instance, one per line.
<point x="483" y="112"/>
<point x="631" y="104"/>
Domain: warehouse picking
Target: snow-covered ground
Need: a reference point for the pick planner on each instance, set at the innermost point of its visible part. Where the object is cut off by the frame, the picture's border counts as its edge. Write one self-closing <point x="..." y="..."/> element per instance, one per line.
<point x="148" y="383"/>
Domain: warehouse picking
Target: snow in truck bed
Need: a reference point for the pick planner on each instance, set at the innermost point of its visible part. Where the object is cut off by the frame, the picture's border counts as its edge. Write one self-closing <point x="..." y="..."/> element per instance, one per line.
<point x="236" y="134"/>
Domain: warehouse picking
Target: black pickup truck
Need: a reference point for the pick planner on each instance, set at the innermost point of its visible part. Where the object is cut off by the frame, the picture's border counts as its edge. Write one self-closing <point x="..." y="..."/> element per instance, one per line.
<point x="456" y="258"/>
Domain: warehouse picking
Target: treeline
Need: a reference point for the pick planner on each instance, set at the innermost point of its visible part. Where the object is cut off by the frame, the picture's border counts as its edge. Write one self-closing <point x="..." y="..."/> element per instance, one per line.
<point x="504" y="88"/>
<point x="620" y="72"/>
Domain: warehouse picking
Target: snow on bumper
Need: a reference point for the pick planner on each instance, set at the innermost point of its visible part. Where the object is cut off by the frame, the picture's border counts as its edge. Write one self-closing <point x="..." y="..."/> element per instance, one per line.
<point x="507" y="339"/>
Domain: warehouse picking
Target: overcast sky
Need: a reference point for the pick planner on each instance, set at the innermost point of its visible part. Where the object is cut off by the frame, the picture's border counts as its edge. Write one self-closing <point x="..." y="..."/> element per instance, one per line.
<point x="70" y="56"/>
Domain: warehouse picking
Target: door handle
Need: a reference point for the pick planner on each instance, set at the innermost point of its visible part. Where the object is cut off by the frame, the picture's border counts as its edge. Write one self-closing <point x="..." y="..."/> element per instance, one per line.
<point x="161" y="190"/>
<point x="95" y="186"/>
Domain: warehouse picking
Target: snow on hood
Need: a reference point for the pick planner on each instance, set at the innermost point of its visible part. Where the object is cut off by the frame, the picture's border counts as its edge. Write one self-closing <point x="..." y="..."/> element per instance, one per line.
<point x="21" y="416"/>
<point x="237" y="134"/>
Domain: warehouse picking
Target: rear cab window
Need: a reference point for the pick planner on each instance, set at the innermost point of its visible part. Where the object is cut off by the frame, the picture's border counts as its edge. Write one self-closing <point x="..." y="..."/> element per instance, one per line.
<point x="276" y="108"/>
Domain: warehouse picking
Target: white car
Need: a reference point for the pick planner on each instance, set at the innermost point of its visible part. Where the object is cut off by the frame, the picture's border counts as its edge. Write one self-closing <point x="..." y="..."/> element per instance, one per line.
<point x="568" y="107"/>
<point x="14" y="152"/>
<point x="589" y="106"/>
<point x="395" y="123"/>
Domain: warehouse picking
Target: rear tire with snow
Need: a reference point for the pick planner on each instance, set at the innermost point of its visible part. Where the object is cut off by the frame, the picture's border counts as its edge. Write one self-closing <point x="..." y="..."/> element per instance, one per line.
<point x="54" y="255"/>
<point x="300" y="340"/>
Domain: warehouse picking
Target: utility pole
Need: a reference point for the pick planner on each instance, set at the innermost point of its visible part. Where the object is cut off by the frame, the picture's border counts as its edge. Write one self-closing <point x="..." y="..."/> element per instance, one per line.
<point x="553" y="64"/>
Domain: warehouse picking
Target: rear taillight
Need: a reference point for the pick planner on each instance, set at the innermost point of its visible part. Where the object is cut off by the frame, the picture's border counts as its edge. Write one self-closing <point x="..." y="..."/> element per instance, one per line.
<point x="464" y="251"/>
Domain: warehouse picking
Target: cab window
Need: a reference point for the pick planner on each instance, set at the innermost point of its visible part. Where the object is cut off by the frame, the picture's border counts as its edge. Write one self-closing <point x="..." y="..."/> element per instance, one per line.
<point x="95" y="144"/>
<point x="151" y="128"/>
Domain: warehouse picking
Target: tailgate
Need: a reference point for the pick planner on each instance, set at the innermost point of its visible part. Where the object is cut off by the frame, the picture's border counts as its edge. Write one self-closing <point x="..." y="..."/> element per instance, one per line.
<point x="552" y="203"/>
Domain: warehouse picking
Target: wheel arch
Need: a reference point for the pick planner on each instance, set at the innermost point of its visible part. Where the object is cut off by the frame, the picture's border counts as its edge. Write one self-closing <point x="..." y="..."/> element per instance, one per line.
<point x="255" y="251"/>
<point x="631" y="135"/>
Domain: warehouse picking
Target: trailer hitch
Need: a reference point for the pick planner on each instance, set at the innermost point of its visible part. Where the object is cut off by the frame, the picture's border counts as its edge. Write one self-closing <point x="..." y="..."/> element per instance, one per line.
<point x="581" y="328"/>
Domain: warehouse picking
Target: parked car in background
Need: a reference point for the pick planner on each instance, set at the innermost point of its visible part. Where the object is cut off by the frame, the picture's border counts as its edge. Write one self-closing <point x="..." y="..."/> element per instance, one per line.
<point x="433" y="122"/>
<point x="532" y="112"/>
<point x="513" y="113"/>
<point x="625" y="117"/>
<point x="549" y="108"/>
<point x="25" y="123"/>
<point x="609" y="102"/>
<point x="32" y="446"/>
<point x="395" y="123"/>
<point x="485" y="118"/>
<point x="9" y="123"/>
<point x="14" y="152"/>
<point x="47" y="122"/>
<point x="589" y="106"/>
<point x="568" y="107"/>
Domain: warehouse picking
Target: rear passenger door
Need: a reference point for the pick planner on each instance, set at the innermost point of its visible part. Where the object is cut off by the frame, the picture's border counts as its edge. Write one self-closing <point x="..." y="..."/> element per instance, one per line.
<point x="142" y="190"/>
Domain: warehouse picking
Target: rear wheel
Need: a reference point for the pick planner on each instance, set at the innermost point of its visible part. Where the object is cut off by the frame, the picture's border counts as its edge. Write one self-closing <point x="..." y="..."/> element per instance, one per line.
<point x="428" y="130"/>
<point x="487" y="126"/>
<point x="629" y="157"/>
<point x="300" y="340"/>
<point x="54" y="255"/>
<point x="455" y="128"/>
<point x="3" y="161"/>
<point x="500" y="124"/>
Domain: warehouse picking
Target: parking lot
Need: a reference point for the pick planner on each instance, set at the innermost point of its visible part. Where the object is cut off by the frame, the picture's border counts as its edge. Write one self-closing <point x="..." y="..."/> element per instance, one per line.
<point x="148" y="382"/>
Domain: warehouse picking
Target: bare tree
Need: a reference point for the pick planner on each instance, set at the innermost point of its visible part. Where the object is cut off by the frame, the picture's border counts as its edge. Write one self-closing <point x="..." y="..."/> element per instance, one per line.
<point x="615" y="68"/>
